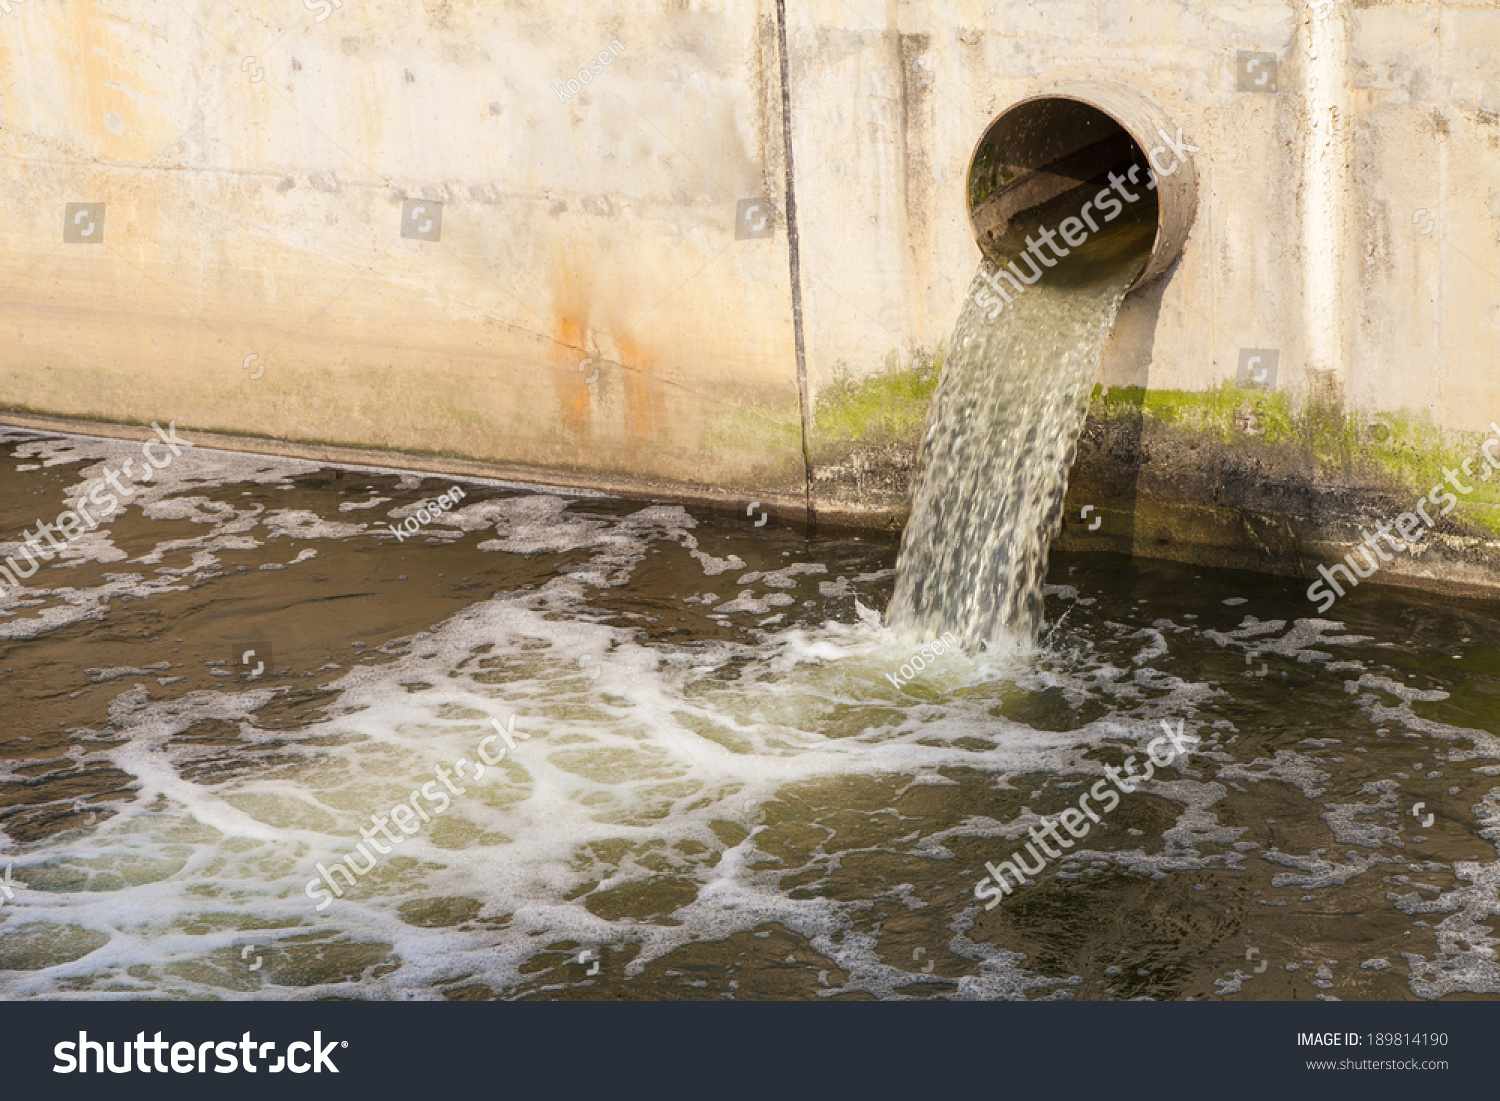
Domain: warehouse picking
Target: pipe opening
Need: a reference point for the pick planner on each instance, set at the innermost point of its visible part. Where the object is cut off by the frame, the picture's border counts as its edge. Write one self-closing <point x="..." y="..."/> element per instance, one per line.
<point x="1046" y="158"/>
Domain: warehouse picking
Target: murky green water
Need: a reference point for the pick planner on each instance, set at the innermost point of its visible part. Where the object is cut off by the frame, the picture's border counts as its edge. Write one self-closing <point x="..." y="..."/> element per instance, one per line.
<point x="721" y="794"/>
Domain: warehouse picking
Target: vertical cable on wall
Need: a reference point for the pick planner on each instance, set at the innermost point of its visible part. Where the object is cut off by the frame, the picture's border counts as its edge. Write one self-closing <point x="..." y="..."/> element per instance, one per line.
<point x="794" y="263"/>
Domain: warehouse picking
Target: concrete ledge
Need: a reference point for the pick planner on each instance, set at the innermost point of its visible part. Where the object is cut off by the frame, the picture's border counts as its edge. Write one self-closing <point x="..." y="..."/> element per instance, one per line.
<point x="785" y="508"/>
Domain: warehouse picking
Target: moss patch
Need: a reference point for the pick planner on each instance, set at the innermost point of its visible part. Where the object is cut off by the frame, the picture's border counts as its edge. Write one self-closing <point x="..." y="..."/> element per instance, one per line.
<point x="1402" y="449"/>
<point x="889" y="406"/>
<point x="757" y="431"/>
<point x="1220" y="411"/>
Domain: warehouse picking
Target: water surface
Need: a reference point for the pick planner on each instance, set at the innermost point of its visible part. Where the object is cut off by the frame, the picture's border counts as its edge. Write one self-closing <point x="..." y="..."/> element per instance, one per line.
<point x="721" y="795"/>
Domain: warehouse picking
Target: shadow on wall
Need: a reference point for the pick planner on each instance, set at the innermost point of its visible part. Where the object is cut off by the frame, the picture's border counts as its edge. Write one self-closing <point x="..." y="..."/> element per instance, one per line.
<point x="1108" y="468"/>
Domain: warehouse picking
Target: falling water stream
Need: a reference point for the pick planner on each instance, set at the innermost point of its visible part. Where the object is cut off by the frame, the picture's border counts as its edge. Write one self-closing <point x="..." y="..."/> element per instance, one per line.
<point x="1004" y="425"/>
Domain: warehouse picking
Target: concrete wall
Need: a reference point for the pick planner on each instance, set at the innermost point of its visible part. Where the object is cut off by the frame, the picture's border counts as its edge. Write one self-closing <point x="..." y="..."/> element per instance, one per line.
<point x="254" y="161"/>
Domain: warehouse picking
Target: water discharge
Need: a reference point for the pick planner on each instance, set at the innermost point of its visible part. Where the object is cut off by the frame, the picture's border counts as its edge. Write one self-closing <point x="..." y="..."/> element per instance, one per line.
<point x="1004" y="423"/>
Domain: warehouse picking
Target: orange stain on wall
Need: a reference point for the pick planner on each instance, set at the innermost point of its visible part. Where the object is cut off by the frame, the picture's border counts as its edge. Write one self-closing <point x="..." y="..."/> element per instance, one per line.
<point x="571" y="384"/>
<point x="576" y="299"/>
<point x="645" y="412"/>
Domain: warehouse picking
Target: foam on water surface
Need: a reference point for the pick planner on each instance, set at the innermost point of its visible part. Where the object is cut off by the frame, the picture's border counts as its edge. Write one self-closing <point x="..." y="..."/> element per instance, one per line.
<point x="710" y="804"/>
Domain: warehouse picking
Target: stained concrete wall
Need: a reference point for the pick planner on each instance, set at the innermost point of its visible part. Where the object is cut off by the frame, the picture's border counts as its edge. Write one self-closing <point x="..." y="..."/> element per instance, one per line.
<point x="254" y="162"/>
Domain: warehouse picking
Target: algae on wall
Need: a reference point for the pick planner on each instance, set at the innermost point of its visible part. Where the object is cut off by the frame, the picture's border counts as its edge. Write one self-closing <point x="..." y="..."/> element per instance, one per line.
<point x="1404" y="451"/>
<point x="887" y="407"/>
<point x="866" y="433"/>
<point x="1230" y="476"/>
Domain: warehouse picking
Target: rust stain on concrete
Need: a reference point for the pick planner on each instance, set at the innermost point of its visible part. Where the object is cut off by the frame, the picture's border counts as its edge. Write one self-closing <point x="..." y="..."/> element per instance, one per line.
<point x="573" y="394"/>
<point x="645" y="412"/>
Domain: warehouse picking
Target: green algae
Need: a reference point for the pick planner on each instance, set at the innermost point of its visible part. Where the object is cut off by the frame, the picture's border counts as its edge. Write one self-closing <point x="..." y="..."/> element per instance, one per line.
<point x="889" y="406"/>
<point x="1221" y="411"/>
<point x="1405" y="449"/>
<point x="758" y="430"/>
